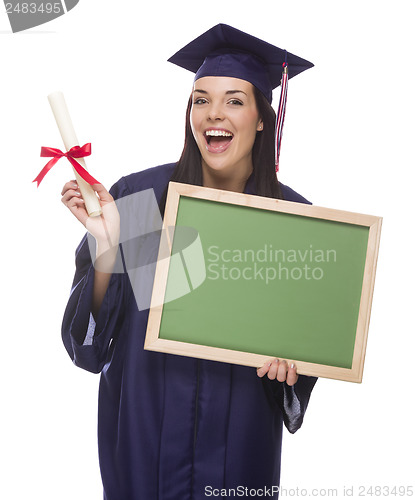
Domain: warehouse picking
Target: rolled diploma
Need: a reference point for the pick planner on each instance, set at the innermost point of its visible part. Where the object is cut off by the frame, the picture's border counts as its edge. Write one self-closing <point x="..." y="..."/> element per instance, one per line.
<point x="64" y="122"/>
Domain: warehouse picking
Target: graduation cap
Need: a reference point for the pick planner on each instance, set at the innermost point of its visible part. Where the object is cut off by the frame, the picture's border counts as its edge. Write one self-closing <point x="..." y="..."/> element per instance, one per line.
<point x="227" y="51"/>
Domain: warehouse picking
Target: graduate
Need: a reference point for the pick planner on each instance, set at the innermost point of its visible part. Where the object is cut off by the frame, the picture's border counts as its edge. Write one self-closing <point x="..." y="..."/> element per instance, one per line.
<point x="172" y="427"/>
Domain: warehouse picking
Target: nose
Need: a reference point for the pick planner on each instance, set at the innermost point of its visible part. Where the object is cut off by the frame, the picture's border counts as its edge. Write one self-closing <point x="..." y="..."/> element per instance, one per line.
<point x="215" y="112"/>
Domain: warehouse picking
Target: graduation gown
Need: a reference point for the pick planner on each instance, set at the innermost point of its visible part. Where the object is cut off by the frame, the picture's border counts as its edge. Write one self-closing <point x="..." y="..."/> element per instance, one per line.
<point x="172" y="427"/>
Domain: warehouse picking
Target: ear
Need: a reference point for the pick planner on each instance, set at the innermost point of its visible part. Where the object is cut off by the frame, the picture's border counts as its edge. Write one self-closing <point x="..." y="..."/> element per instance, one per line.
<point x="260" y="125"/>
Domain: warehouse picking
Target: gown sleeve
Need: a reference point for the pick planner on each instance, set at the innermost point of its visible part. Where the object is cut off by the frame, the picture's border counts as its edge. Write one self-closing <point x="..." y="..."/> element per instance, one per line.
<point x="88" y="339"/>
<point x="293" y="400"/>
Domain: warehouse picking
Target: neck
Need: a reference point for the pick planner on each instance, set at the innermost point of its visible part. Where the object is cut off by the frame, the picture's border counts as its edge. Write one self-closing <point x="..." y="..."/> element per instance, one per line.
<point x="219" y="180"/>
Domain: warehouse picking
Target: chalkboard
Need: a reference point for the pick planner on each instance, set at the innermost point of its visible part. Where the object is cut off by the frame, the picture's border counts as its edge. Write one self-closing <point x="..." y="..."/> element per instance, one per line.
<point x="253" y="278"/>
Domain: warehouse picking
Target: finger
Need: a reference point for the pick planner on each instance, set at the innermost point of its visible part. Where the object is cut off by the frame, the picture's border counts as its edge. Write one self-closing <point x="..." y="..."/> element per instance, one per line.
<point x="75" y="202"/>
<point x="69" y="185"/>
<point x="264" y="369"/>
<point x="77" y="208"/>
<point x="273" y="369"/>
<point x="282" y="371"/>
<point x="292" y="376"/>
<point x="69" y="195"/>
<point x="103" y="194"/>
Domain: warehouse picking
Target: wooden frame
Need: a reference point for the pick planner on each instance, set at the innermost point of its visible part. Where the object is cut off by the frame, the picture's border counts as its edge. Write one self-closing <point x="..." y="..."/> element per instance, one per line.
<point x="306" y="213"/>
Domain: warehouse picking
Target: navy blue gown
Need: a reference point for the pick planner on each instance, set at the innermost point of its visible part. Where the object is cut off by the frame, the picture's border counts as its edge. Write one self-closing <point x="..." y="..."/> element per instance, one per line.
<point x="172" y="427"/>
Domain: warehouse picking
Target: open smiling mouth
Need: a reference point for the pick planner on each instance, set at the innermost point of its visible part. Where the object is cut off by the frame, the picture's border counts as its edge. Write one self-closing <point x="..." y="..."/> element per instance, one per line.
<point x="217" y="141"/>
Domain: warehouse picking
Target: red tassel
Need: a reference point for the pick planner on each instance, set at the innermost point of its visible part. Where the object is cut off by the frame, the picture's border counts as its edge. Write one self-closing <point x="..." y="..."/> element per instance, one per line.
<point x="281" y="115"/>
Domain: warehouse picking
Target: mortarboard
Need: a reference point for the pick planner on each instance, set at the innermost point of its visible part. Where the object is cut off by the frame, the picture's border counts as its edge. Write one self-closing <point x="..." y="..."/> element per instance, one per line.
<point x="227" y="51"/>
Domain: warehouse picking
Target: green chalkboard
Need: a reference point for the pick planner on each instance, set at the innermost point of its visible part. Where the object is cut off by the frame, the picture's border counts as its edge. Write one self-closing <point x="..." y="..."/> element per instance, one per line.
<point x="276" y="283"/>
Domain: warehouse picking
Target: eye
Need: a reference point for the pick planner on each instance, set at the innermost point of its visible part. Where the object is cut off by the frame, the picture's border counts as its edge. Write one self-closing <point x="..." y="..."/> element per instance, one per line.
<point x="236" y="102"/>
<point x="200" y="100"/>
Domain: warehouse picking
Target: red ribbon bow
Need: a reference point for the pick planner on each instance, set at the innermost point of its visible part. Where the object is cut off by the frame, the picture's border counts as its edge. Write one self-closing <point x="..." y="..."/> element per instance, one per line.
<point x="57" y="154"/>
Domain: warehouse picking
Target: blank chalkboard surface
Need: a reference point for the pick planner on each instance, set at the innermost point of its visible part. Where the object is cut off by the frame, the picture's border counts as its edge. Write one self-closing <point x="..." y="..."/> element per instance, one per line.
<point x="252" y="278"/>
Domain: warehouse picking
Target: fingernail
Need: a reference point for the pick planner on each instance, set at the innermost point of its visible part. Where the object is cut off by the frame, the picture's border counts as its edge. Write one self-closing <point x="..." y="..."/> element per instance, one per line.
<point x="77" y="193"/>
<point x="292" y="365"/>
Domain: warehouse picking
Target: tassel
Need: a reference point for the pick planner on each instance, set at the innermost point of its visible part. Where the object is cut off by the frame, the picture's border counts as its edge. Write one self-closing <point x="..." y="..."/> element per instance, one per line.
<point x="281" y="115"/>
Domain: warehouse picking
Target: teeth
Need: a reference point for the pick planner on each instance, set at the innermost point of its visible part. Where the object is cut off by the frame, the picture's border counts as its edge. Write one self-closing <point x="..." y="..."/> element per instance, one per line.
<point x="218" y="133"/>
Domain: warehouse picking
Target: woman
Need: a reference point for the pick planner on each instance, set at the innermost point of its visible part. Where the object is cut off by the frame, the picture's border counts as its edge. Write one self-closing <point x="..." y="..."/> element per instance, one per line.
<point x="172" y="427"/>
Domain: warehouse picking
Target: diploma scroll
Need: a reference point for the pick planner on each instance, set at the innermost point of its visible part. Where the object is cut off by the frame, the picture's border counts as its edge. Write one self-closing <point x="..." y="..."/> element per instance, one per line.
<point x="64" y="122"/>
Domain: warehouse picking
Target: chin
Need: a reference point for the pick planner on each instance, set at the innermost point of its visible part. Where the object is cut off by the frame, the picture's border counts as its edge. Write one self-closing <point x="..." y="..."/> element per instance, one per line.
<point x="218" y="166"/>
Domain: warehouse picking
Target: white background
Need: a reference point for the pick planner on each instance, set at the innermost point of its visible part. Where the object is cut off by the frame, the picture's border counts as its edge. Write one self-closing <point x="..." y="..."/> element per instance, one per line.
<point x="348" y="144"/>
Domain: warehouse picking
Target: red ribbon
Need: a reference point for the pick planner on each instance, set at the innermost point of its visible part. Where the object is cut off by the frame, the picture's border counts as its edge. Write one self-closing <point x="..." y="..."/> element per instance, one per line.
<point x="57" y="154"/>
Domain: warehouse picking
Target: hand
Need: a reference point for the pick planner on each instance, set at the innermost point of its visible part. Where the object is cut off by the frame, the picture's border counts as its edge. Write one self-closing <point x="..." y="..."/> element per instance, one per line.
<point x="279" y="369"/>
<point x="106" y="228"/>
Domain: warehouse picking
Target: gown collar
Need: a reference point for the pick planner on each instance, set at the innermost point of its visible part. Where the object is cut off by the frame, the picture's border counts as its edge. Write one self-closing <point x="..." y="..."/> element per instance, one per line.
<point x="250" y="185"/>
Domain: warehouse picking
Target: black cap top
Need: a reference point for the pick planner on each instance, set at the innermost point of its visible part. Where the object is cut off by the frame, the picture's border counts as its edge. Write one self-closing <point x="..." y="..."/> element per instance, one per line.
<point x="226" y="51"/>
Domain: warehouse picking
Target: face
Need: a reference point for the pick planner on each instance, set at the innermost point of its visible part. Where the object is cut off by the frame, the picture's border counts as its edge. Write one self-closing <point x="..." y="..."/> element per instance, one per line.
<point x="224" y="120"/>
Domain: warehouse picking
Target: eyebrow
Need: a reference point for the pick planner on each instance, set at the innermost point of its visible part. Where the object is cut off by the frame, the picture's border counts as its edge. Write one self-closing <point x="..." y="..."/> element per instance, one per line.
<point x="228" y="92"/>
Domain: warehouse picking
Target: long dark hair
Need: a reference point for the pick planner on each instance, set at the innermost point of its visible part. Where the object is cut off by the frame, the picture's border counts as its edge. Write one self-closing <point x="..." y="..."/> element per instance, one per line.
<point x="188" y="169"/>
